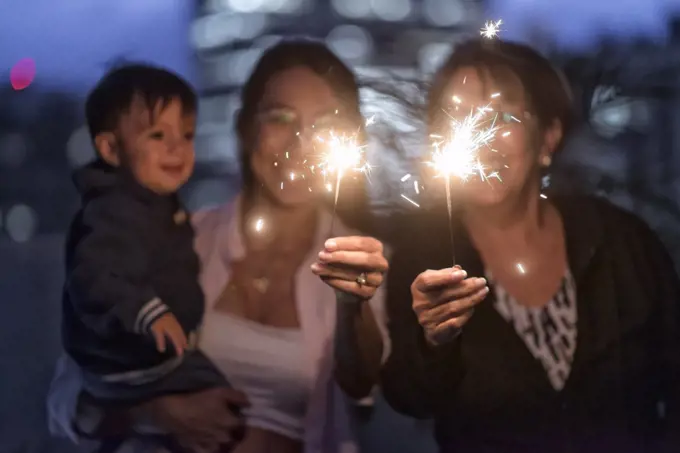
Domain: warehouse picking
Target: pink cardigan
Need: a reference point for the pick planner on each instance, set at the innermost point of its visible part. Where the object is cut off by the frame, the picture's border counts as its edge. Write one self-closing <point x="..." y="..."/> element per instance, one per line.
<point x="218" y="241"/>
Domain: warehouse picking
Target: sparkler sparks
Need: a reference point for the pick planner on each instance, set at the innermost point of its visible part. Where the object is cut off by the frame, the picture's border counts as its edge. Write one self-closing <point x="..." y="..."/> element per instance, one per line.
<point x="491" y="29"/>
<point x="337" y="153"/>
<point x="342" y="154"/>
<point x="458" y="154"/>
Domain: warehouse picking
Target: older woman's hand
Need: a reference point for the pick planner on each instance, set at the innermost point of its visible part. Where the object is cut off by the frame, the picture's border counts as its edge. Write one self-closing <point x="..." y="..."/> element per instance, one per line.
<point x="444" y="301"/>
<point x="353" y="265"/>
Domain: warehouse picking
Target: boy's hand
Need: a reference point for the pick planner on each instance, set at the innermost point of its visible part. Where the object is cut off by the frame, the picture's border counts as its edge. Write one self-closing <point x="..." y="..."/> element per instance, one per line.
<point x="168" y="326"/>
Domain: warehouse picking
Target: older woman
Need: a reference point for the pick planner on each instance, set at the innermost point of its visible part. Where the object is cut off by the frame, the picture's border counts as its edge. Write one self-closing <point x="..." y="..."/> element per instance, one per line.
<point x="269" y="324"/>
<point x="573" y="343"/>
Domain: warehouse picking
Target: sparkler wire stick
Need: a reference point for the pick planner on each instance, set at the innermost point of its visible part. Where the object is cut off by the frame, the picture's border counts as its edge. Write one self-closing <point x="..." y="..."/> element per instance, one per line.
<point x="449" y="209"/>
<point x="335" y="202"/>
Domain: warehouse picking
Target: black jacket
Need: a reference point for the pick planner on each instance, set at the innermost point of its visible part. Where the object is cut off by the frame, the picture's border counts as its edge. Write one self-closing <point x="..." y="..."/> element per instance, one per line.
<point x="129" y="259"/>
<point x="486" y="391"/>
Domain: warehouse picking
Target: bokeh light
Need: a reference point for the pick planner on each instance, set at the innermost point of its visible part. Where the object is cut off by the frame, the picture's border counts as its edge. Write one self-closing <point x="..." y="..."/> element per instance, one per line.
<point x="79" y="149"/>
<point x="352" y="9"/>
<point x="351" y="43"/>
<point x="392" y="10"/>
<point x="432" y="55"/>
<point x="444" y="13"/>
<point x="13" y="150"/>
<point x="22" y="74"/>
<point x="265" y="6"/>
<point x="223" y="28"/>
<point x="21" y="223"/>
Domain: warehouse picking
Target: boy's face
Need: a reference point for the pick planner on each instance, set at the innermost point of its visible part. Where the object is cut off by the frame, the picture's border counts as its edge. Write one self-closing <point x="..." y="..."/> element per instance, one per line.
<point x="160" y="154"/>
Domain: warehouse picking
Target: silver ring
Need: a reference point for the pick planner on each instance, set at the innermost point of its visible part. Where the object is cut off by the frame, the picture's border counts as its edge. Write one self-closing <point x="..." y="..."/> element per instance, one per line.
<point x="361" y="279"/>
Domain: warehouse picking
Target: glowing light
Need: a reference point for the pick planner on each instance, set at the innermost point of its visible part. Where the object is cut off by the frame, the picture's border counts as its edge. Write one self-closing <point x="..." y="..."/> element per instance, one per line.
<point x="458" y="154"/>
<point x="520" y="268"/>
<point x="336" y="153"/>
<point x="410" y="201"/>
<point x="22" y="74"/>
<point x="491" y="29"/>
<point x="341" y="153"/>
<point x="259" y="224"/>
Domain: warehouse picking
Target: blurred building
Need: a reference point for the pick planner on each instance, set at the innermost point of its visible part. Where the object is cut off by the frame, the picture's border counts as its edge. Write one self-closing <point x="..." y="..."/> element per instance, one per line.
<point x="381" y="40"/>
<point x="398" y="39"/>
<point x="627" y="147"/>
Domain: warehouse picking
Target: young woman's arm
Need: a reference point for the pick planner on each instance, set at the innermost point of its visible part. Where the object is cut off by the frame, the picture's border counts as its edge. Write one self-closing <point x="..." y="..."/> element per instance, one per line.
<point x="359" y="342"/>
<point x="359" y="345"/>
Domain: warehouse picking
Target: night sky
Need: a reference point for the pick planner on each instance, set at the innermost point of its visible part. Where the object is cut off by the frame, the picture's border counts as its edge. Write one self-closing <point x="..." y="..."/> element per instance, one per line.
<point x="72" y="40"/>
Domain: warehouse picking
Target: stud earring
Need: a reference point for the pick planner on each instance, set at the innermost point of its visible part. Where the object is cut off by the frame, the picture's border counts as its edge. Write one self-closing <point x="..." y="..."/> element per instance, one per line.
<point x="546" y="160"/>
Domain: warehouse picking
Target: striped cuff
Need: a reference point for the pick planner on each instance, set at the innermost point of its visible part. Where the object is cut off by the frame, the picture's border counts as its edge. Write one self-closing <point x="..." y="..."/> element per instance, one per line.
<point x="150" y="312"/>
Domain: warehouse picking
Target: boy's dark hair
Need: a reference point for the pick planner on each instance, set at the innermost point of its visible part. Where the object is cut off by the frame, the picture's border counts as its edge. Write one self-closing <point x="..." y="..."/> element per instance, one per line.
<point x="114" y="93"/>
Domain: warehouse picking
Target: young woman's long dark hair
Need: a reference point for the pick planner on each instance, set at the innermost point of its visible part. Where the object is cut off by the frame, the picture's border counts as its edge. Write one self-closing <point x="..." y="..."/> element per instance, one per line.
<point x="315" y="56"/>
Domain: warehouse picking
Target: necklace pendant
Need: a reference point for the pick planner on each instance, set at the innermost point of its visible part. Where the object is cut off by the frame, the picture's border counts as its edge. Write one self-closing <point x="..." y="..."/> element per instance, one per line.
<point x="261" y="284"/>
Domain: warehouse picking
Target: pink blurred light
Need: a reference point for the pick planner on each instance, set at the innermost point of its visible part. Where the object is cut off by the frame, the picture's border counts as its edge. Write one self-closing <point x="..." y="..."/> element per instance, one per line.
<point x="22" y="74"/>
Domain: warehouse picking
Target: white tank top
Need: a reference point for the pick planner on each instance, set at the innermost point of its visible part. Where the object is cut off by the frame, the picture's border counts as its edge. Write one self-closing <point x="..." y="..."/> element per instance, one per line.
<point x="266" y="363"/>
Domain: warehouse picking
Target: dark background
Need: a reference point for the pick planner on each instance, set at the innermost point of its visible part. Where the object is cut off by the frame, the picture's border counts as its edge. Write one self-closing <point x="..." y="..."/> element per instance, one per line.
<point x="621" y="57"/>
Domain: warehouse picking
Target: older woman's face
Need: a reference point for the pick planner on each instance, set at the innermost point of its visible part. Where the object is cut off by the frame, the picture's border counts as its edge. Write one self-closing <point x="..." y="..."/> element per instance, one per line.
<point x="516" y="151"/>
<point x="295" y="105"/>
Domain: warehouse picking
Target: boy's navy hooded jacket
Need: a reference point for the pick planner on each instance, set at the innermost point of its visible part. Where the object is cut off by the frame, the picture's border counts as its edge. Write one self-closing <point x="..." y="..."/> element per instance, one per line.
<point x="129" y="260"/>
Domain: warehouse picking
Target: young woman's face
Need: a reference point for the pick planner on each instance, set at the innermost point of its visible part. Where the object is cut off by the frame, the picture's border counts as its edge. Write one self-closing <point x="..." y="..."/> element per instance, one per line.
<point x="518" y="148"/>
<point x="295" y="106"/>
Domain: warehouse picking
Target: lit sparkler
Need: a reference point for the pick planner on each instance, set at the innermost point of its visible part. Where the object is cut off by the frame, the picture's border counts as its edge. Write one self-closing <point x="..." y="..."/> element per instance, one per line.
<point x="458" y="154"/>
<point x="342" y="154"/>
<point x="491" y="29"/>
<point x="337" y="153"/>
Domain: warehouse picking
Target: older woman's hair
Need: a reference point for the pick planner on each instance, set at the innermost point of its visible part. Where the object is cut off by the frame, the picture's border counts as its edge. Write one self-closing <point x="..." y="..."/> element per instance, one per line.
<point x="316" y="57"/>
<point x="548" y="94"/>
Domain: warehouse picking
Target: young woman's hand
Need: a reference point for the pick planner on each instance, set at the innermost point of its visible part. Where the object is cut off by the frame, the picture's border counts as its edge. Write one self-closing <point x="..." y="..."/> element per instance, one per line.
<point x="202" y="422"/>
<point x="444" y="301"/>
<point x="354" y="265"/>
